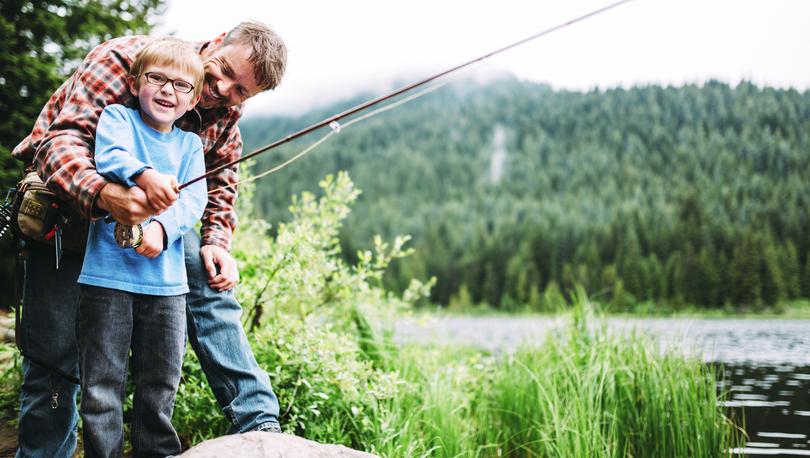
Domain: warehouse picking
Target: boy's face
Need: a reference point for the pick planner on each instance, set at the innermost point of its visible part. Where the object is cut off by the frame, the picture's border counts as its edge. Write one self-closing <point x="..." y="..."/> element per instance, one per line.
<point x="229" y="77"/>
<point x="161" y="105"/>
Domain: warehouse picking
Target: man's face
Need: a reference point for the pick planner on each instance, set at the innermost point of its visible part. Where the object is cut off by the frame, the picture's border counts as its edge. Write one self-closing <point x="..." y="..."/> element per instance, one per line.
<point x="229" y="78"/>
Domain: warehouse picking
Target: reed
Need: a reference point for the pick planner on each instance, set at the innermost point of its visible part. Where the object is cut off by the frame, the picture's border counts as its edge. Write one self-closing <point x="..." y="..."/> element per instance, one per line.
<point x="585" y="392"/>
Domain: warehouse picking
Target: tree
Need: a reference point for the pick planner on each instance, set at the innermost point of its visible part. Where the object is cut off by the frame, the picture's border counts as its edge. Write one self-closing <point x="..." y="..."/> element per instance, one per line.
<point x="791" y="270"/>
<point x="41" y="43"/>
<point x="773" y="279"/>
<point x="745" y="273"/>
<point x="599" y="178"/>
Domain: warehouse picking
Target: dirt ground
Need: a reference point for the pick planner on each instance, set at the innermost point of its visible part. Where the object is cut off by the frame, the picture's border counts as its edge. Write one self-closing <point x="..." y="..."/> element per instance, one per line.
<point x="8" y="440"/>
<point x="8" y="434"/>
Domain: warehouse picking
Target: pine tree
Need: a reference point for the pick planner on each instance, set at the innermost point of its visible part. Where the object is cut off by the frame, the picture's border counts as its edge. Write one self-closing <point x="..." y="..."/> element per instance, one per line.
<point x="773" y="281"/>
<point x="806" y="276"/>
<point x="462" y="300"/>
<point x="692" y="276"/>
<point x="711" y="278"/>
<point x="789" y="260"/>
<point x="553" y="299"/>
<point x="745" y="272"/>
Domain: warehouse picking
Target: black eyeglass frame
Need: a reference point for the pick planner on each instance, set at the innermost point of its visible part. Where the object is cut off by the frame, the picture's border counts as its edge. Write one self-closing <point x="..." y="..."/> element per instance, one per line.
<point x="150" y="75"/>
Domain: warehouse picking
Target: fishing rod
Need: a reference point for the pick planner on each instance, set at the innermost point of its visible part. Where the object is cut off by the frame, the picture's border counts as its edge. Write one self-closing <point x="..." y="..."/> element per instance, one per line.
<point x="131" y="236"/>
<point x="403" y="89"/>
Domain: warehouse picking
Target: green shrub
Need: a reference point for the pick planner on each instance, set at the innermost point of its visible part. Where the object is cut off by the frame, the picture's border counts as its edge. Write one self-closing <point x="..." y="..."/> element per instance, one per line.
<point x="318" y="326"/>
<point x="311" y="321"/>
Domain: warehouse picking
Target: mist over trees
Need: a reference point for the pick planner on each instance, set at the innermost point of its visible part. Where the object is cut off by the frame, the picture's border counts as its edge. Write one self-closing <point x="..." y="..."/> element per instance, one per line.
<point x="514" y="193"/>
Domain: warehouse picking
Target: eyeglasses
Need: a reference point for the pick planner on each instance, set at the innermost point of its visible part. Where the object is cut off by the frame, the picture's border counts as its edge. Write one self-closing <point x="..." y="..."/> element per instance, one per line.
<point x="159" y="79"/>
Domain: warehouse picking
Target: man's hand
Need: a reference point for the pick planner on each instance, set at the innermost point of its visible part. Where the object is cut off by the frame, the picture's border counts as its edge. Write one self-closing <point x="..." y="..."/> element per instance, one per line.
<point x="223" y="273"/>
<point x="152" y="244"/>
<point x="126" y="205"/>
<point x="161" y="189"/>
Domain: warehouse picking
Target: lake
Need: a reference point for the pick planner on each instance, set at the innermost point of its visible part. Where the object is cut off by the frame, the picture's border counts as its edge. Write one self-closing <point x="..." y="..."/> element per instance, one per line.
<point x="764" y="364"/>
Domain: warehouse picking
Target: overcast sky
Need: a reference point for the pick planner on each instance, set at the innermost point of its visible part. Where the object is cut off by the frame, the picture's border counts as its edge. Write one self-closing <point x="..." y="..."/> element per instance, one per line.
<point x="337" y="48"/>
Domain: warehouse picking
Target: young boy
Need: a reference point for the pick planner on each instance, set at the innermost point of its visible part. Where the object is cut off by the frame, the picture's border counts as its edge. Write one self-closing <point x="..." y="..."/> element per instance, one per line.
<point x="135" y="298"/>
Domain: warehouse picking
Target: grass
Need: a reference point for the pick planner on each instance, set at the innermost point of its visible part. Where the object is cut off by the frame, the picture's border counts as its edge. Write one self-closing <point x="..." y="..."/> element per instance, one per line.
<point x="794" y="309"/>
<point x="583" y="393"/>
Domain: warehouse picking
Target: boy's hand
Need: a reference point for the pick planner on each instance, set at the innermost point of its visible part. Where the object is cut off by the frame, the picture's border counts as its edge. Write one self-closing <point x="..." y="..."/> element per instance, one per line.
<point x="161" y="190"/>
<point x="152" y="244"/>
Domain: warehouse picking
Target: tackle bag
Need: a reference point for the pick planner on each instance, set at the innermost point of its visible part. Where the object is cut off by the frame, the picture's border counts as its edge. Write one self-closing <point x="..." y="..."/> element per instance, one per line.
<point x="37" y="215"/>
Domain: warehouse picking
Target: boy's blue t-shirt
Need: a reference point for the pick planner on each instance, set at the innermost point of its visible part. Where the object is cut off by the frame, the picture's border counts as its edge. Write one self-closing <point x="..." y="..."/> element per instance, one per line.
<point x="125" y="146"/>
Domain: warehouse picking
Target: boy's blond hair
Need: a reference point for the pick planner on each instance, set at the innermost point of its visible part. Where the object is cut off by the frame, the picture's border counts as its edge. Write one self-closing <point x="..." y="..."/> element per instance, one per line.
<point x="170" y="52"/>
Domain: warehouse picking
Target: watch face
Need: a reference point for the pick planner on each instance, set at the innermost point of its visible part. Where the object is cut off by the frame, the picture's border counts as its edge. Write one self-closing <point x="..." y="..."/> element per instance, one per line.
<point x="127" y="236"/>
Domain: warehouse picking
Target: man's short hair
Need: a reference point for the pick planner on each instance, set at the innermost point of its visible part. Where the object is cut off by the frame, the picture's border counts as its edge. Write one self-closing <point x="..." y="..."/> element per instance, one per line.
<point x="268" y="52"/>
<point x="174" y="53"/>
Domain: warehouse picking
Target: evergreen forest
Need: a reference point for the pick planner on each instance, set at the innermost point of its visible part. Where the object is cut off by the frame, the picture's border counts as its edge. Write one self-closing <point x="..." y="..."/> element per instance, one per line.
<point x="515" y="194"/>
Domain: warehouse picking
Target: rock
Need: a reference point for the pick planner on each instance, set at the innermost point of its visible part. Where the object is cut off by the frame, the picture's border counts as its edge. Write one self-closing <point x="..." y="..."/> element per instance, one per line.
<point x="269" y="445"/>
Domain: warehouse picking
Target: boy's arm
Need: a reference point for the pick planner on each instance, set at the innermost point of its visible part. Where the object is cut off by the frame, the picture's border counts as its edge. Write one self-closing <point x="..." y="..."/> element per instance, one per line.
<point x="114" y="141"/>
<point x="188" y="209"/>
<point x="61" y="143"/>
<point x="63" y="135"/>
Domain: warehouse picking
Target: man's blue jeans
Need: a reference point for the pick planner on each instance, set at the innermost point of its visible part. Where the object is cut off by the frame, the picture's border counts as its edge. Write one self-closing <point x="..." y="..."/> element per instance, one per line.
<point x="109" y="324"/>
<point x="215" y="332"/>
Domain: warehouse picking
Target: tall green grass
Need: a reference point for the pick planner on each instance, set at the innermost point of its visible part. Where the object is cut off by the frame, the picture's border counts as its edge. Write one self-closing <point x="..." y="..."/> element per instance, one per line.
<point x="585" y="392"/>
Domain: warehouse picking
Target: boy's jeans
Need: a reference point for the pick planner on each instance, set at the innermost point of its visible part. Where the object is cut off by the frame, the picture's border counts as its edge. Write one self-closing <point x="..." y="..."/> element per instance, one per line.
<point x="215" y="332"/>
<point x="108" y="324"/>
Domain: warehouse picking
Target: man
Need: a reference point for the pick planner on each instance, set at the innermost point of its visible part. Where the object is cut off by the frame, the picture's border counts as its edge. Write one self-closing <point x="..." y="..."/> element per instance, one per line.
<point x="247" y="60"/>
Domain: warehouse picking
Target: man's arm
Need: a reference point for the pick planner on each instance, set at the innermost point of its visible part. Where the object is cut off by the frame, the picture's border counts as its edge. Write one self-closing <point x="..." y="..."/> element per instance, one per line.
<point x="61" y="143"/>
<point x="219" y="219"/>
<point x="114" y="143"/>
<point x="126" y="205"/>
<point x="114" y="159"/>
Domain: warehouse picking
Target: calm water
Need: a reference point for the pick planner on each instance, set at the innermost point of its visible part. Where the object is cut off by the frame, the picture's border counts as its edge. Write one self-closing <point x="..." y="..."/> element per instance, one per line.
<point x="765" y="363"/>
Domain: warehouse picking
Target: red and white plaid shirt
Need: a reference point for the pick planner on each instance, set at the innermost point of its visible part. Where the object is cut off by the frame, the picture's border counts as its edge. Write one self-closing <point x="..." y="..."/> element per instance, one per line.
<point x="62" y="141"/>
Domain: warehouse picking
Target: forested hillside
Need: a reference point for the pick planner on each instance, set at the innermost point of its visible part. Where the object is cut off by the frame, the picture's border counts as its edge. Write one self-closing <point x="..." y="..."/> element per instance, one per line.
<point x="514" y="192"/>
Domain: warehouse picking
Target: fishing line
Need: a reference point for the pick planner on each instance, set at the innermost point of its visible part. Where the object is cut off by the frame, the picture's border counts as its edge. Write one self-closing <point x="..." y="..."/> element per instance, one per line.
<point x="127" y="236"/>
<point x="336" y="128"/>
<point x="401" y="90"/>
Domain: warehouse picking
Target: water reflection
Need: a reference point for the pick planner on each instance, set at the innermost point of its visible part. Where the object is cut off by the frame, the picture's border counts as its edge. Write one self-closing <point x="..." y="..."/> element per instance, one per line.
<point x="773" y="401"/>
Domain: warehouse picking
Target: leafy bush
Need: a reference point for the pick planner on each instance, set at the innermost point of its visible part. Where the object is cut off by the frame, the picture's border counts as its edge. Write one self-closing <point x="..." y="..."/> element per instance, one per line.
<point x="309" y="315"/>
<point x="314" y="323"/>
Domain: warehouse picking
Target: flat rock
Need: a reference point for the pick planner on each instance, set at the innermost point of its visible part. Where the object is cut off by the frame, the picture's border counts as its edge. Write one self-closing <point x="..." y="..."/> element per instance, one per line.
<point x="269" y="445"/>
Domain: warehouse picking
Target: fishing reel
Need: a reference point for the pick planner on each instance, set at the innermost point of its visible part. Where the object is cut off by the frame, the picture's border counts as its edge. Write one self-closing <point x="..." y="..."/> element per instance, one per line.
<point x="128" y="236"/>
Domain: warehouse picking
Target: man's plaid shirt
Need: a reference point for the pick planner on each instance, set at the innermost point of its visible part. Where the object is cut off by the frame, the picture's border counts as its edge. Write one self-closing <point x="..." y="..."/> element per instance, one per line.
<point x="62" y="141"/>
